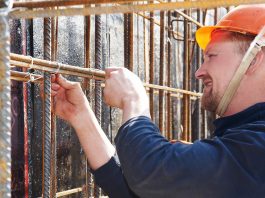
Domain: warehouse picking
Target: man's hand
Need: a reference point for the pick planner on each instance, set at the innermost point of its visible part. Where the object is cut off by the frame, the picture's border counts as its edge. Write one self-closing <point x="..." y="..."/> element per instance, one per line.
<point x="70" y="102"/>
<point x="123" y="89"/>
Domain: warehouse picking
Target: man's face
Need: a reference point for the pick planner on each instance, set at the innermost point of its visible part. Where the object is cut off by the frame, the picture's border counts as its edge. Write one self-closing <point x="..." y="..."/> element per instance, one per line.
<point x="221" y="60"/>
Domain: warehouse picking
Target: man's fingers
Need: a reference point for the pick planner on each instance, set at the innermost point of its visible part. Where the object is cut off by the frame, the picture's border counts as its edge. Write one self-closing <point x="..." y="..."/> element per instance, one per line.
<point x="111" y="69"/>
<point x="65" y="83"/>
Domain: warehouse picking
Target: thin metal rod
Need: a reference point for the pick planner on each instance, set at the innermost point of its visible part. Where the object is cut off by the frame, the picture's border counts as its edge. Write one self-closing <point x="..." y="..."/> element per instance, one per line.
<point x="68" y="192"/>
<point x="152" y="63"/>
<point x="128" y="41"/>
<point x="98" y="90"/>
<point x="25" y="61"/>
<point x="58" y="3"/>
<point x="161" y="72"/>
<point x="47" y="112"/>
<point x="88" y="190"/>
<point x="169" y="48"/>
<point x="186" y="82"/>
<point x="5" y="108"/>
<point x="54" y="39"/>
<point x="128" y="8"/>
<point x="25" y="77"/>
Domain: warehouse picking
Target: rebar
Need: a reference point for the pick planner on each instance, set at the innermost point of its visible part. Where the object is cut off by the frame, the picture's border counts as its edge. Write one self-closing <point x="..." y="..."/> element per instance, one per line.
<point x="5" y="105"/>
<point x="47" y="112"/>
<point x="161" y="71"/>
<point x="54" y="39"/>
<point x="186" y="82"/>
<point x="128" y="8"/>
<point x="25" y="61"/>
<point x="88" y="190"/>
<point x="152" y="63"/>
<point x="169" y="48"/>
<point x="98" y="90"/>
<point x="58" y="3"/>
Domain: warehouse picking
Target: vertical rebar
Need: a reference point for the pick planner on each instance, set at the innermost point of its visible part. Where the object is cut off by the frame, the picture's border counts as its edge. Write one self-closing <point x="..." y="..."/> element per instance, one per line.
<point x="25" y="108"/>
<point x="186" y="82"/>
<point x="54" y="38"/>
<point x="128" y="41"/>
<point x="161" y="71"/>
<point x="130" y="47"/>
<point x="5" y="105"/>
<point x="47" y="112"/>
<point x="30" y="102"/>
<point x="151" y="64"/>
<point x="86" y="86"/>
<point x="98" y="91"/>
<point x="169" y="48"/>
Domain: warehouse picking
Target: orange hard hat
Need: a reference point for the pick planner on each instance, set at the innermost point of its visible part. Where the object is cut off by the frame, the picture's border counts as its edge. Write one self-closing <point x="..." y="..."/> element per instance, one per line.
<point x="245" y="19"/>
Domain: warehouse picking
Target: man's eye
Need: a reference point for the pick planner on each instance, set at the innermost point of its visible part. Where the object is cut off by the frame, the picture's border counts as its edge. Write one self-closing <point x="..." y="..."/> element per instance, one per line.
<point x="211" y="55"/>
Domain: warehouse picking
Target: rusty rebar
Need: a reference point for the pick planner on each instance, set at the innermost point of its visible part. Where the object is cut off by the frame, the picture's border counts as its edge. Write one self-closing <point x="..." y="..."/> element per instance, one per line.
<point x="169" y="48"/>
<point x="151" y="64"/>
<point x="39" y="64"/>
<point x="54" y="39"/>
<point x="47" y="112"/>
<point x="186" y="83"/>
<point x="127" y="9"/>
<point x="5" y="104"/>
<point x="59" y="3"/>
<point x="88" y="190"/>
<point x="161" y="71"/>
<point x="128" y="41"/>
<point x="98" y="90"/>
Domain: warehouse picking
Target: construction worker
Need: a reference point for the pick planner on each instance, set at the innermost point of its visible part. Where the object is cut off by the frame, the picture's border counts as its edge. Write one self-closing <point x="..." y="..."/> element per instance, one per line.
<point x="232" y="164"/>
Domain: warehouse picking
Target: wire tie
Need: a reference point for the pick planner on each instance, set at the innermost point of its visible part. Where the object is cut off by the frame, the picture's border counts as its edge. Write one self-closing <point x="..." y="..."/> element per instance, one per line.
<point x="58" y="68"/>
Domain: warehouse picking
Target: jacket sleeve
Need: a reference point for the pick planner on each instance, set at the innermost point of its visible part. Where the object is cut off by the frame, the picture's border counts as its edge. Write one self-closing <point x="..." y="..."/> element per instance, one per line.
<point x="110" y="178"/>
<point x="154" y="167"/>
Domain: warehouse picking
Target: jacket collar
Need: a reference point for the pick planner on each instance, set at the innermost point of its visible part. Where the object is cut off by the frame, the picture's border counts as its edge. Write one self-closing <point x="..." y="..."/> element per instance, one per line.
<point x="249" y="115"/>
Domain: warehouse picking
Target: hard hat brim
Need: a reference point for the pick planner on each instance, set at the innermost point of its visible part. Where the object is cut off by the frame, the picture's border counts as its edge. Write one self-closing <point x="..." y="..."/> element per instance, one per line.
<point x="203" y="36"/>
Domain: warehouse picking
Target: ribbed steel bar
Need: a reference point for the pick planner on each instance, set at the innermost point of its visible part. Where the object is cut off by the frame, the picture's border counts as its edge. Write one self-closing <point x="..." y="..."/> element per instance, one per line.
<point x="25" y="76"/>
<point x="88" y="190"/>
<point x="130" y="46"/>
<point x="25" y="61"/>
<point x="58" y="3"/>
<point x="162" y="71"/>
<point x="5" y="104"/>
<point x="30" y="102"/>
<point x="25" y="111"/>
<point x="185" y="102"/>
<point x="128" y="8"/>
<point x="98" y="90"/>
<point x="169" y="49"/>
<point x="47" y="112"/>
<point x="125" y="39"/>
<point x="54" y="39"/>
<point x="152" y="64"/>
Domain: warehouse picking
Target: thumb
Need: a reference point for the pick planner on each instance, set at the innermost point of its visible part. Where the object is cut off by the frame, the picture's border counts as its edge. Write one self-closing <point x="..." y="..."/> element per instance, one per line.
<point x="63" y="82"/>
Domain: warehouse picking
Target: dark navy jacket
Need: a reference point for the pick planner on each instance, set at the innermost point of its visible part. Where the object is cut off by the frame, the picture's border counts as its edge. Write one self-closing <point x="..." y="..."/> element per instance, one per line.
<point x="231" y="165"/>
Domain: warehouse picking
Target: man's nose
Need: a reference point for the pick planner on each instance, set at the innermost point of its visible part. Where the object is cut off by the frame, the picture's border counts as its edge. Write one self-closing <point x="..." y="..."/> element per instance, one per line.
<point x="200" y="72"/>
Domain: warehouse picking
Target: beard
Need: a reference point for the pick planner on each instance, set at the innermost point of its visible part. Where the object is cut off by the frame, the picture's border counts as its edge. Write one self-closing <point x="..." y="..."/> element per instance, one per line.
<point x="210" y="100"/>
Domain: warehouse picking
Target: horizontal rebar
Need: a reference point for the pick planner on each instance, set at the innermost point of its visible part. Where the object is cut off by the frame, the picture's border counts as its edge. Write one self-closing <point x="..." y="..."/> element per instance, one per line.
<point x="25" y="77"/>
<point x="58" y="3"/>
<point x="53" y="67"/>
<point x="41" y="13"/>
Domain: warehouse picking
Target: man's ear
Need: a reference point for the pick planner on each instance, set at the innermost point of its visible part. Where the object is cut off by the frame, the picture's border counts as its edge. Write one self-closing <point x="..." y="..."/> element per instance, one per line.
<point x="256" y="63"/>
